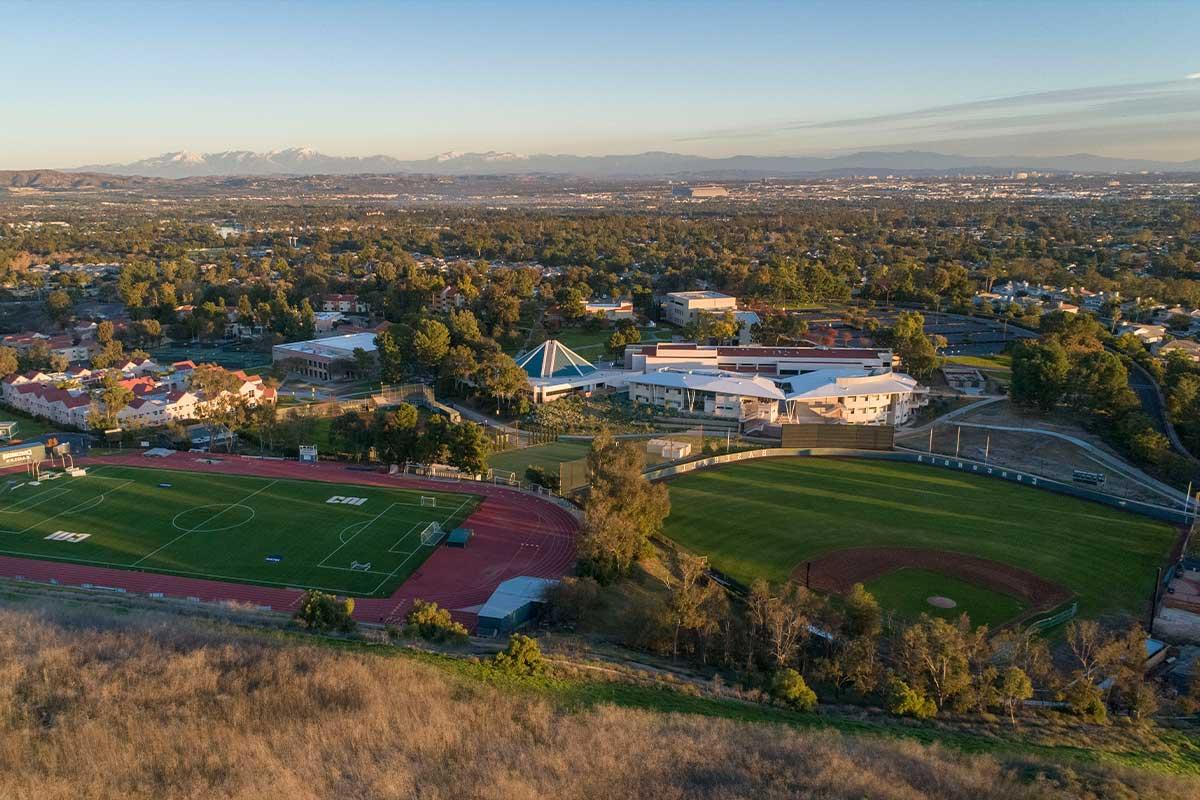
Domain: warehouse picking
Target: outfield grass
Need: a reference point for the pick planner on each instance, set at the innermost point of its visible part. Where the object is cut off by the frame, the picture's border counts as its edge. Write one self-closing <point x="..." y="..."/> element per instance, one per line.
<point x="761" y="519"/>
<point x="1001" y="362"/>
<point x="225" y="527"/>
<point x="906" y="592"/>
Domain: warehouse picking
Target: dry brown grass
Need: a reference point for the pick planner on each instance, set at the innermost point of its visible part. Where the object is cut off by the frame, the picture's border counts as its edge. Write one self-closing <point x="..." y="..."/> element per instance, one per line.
<point x="100" y="707"/>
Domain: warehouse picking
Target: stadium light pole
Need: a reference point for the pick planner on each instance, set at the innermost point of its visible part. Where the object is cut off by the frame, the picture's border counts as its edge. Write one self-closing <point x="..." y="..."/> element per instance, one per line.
<point x="987" y="448"/>
<point x="931" y="439"/>
<point x="958" y="441"/>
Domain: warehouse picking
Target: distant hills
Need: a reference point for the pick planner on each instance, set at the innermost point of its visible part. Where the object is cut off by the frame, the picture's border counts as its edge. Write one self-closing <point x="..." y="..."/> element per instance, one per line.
<point x="306" y="161"/>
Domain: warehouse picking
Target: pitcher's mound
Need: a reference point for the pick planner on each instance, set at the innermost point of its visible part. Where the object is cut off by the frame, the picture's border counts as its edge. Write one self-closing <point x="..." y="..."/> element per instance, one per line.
<point x="937" y="601"/>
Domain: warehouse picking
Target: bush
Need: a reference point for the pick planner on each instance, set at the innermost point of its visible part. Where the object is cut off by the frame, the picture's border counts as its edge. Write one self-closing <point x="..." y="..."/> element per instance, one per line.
<point x="905" y="701"/>
<point x="573" y="599"/>
<point x="427" y="621"/>
<point x="1085" y="699"/>
<point x="789" y="688"/>
<point x="523" y="656"/>
<point x="323" y="612"/>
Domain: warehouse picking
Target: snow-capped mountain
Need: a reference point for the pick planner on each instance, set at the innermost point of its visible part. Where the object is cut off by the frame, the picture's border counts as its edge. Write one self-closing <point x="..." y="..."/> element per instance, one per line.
<point x="306" y="161"/>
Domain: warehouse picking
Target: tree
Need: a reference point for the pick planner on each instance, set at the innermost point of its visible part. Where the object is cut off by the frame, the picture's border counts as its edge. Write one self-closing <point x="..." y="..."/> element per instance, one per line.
<point x="905" y="701"/>
<point x="114" y="396"/>
<point x="934" y="657"/>
<point x="862" y="614"/>
<point x="430" y="342"/>
<point x="464" y="328"/>
<point x="323" y="612"/>
<point x="1039" y="374"/>
<point x="352" y="433"/>
<point x="459" y="364"/>
<point x="622" y="336"/>
<point x="523" y="656"/>
<point x="104" y="332"/>
<point x="781" y="619"/>
<point x="391" y="359"/>
<point x="918" y="353"/>
<point x="622" y="511"/>
<point x="694" y="600"/>
<point x="221" y="403"/>
<point x="706" y="326"/>
<point x="58" y="306"/>
<point x="364" y="363"/>
<point x="788" y="687"/>
<point x="395" y="433"/>
<point x="427" y="621"/>
<point x="1013" y="688"/>
<point x="499" y="377"/>
<point x="9" y="361"/>
<point x="469" y="447"/>
<point x="779" y="328"/>
<point x="854" y="663"/>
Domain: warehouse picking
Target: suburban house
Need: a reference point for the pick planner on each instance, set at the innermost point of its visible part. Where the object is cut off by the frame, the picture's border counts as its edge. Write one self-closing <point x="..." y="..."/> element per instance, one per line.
<point x="1147" y="334"/>
<point x="1189" y="348"/>
<point x="345" y="303"/>
<point x="446" y="299"/>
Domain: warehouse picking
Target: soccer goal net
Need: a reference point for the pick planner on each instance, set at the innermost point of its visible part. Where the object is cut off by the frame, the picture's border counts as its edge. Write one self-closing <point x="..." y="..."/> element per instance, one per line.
<point x="430" y="502"/>
<point x="432" y="534"/>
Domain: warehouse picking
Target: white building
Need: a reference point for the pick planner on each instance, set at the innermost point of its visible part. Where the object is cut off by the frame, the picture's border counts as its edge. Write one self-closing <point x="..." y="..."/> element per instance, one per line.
<point x="744" y="398"/>
<point x="853" y="397"/>
<point x="680" y="308"/>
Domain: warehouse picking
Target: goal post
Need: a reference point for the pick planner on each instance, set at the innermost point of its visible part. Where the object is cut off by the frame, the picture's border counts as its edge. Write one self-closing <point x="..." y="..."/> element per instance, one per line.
<point x="428" y="502"/>
<point x="432" y="534"/>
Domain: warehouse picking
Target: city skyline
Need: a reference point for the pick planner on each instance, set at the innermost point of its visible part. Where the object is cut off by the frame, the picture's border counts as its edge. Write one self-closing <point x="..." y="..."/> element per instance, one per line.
<point x="410" y="81"/>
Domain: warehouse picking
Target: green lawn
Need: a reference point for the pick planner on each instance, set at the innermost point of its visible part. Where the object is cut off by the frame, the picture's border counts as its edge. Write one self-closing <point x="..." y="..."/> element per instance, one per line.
<point x="762" y="518"/>
<point x="27" y="426"/>
<point x="546" y="456"/>
<point x="907" y="590"/>
<point x="590" y="344"/>
<point x="225" y="527"/>
<point x="1002" y="362"/>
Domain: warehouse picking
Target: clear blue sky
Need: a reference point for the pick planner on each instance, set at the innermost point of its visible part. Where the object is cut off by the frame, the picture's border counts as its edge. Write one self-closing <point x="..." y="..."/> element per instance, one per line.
<point x="99" y="82"/>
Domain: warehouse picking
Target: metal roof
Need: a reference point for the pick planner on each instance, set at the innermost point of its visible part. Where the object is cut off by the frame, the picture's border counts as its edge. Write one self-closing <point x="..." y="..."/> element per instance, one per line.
<point x="513" y="594"/>
<point x="718" y="382"/>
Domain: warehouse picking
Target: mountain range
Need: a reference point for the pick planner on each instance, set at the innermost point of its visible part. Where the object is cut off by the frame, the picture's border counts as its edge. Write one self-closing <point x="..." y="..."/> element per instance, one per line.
<point x="306" y="161"/>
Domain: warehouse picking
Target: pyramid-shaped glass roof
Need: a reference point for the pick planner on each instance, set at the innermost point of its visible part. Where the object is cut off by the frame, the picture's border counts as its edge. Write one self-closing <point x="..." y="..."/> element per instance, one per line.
<point x="552" y="359"/>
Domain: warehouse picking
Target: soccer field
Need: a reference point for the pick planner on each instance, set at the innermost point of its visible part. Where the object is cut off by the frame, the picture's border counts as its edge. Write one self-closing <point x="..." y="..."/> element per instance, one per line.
<point x="762" y="519"/>
<point x="345" y="538"/>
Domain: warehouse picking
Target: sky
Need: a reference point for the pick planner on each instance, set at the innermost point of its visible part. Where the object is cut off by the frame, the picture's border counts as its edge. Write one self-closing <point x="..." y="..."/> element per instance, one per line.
<point x="108" y="82"/>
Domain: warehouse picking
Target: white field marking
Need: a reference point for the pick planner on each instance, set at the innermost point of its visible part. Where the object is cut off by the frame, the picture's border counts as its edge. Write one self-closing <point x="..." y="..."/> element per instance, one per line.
<point x="34" y="500"/>
<point x="83" y="505"/>
<point x="225" y="507"/>
<point x="349" y="501"/>
<point x="393" y="572"/>
<point x="342" y="534"/>
<point x="370" y="522"/>
<point x="194" y="528"/>
<point x="67" y="536"/>
<point x="348" y="569"/>
<point x="407" y="533"/>
<point x="454" y="513"/>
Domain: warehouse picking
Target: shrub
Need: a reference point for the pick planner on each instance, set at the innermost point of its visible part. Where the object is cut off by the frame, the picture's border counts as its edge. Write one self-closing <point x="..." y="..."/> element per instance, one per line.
<point x="320" y="611"/>
<point x="1085" y="699"/>
<point x="903" y="700"/>
<point x="427" y="621"/>
<point x="789" y="688"/>
<point x="523" y="656"/>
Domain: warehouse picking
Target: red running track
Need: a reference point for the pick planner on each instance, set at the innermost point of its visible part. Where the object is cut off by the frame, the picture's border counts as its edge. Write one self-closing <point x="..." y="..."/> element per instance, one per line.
<point x="515" y="534"/>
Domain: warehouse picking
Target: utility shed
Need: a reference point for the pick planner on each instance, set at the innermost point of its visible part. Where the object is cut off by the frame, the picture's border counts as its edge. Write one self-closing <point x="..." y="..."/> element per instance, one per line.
<point x="459" y="537"/>
<point x="514" y="603"/>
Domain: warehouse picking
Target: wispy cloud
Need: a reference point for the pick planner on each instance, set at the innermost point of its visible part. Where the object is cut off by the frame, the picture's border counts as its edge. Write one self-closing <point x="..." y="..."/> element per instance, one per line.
<point x="1087" y="111"/>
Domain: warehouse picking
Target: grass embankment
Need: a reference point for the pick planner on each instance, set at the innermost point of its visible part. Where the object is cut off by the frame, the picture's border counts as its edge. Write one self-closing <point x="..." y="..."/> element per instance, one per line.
<point x="154" y="706"/>
<point x="761" y="519"/>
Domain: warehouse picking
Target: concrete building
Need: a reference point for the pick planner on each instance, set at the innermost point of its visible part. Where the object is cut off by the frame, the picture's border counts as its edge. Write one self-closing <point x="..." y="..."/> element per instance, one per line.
<point x="331" y="358"/>
<point x="710" y="392"/>
<point x="852" y="397"/>
<point x="680" y="308"/>
<point x="611" y="309"/>
<point x="767" y="361"/>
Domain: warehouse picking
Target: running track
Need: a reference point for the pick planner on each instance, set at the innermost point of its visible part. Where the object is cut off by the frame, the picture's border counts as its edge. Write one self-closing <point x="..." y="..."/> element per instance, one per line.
<point x="515" y="534"/>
